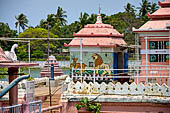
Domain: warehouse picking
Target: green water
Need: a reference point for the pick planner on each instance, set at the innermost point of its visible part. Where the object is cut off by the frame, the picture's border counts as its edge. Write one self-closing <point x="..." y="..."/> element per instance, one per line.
<point x="35" y="72"/>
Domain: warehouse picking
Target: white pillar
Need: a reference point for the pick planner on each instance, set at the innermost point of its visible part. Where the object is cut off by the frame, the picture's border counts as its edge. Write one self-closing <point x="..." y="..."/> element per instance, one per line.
<point x="81" y="47"/>
<point x="29" y="54"/>
<point x="146" y="59"/>
<point x="137" y="54"/>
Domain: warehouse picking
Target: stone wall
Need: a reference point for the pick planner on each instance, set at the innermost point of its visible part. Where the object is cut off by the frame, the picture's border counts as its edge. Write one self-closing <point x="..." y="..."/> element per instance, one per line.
<point x="118" y="89"/>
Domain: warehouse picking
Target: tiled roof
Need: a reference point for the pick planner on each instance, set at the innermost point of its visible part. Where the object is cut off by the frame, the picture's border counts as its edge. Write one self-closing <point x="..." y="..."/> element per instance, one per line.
<point x="160" y="13"/>
<point x="97" y="35"/>
<point x="165" y="3"/>
<point x="155" y="24"/>
<point x="98" y="30"/>
<point x="3" y="57"/>
<point x="97" y="42"/>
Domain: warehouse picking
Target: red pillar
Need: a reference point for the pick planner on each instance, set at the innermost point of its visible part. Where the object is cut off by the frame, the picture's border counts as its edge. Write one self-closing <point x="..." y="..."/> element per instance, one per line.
<point x="13" y="93"/>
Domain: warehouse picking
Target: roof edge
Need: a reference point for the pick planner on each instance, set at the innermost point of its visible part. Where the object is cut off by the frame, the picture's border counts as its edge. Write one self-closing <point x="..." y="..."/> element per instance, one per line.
<point x="98" y="35"/>
<point x="163" y="4"/>
<point x="150" y="30"/>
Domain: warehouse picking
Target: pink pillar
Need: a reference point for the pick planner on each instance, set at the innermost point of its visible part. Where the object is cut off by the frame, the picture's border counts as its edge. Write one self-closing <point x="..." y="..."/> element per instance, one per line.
<point x="13" y="93"/>
<point x="25" y="107"/>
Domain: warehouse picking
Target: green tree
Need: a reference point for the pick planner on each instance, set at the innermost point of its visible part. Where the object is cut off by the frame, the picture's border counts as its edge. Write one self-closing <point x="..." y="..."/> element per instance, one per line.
<point x="144" y="7"/>
<point x="153" y="8"/>
<point x="22" y="21"/>
<point x="83" y="19"/>
<point x="129" y="8"/>
<point x="5" y="31"/>
<point x="38" y="47"/>
<point x="92" y="19"/>
<point x="61" y="15"/>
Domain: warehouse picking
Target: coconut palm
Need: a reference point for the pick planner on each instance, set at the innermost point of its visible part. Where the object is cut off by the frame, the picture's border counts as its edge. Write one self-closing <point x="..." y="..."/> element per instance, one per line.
<point x="22" y="21"/>
<point x="144" y="7"/>
<point x="61" y="15"/>
<point x="129" y="8"/>
<point x="153" y="8"/>
<point x="83" y="19"/>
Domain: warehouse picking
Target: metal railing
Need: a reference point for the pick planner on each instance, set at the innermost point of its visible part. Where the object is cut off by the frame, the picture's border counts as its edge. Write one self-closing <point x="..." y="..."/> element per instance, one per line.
<point x="35" y="106"/>
<point x="12" y="109"/>
<point x="152" y="74"/>
<point x="52" y="108"/>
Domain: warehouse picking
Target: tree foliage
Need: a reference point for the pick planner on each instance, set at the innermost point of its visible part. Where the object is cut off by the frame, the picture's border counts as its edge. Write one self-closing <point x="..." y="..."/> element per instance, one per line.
<point x="5" y="31"/>
<point x="39" y="48"/>
<point x="22" y="21"/>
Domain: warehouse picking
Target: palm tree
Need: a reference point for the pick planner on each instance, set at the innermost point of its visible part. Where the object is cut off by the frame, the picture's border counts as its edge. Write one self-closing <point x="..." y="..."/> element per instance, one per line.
<point x="92" y="19"/>
<point x="129" y="8"/>
<point x="144" y="7"/>
<point x="22" y="21"/>
<point x="61" y="15"/>
<point x="83" y="19"/>
<point x="153" y="8"/>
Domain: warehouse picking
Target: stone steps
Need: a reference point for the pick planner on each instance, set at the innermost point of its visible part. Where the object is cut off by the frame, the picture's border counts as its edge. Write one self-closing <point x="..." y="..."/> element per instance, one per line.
<point x="55" y="99"/>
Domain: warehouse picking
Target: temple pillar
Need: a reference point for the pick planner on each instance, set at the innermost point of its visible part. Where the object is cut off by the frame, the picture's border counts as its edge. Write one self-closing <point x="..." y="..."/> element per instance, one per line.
<point x="13" y="93"/>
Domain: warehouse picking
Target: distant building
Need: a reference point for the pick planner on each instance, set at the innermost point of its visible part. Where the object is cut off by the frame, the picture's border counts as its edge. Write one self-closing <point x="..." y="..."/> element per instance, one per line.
<point x="102" y="48"/>
<point x="155" y="36"/>
<point x="45" y="72"/>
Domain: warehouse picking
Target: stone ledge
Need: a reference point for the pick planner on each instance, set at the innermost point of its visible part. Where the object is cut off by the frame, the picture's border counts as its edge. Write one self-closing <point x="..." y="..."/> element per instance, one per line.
<point x="119" y="98"/>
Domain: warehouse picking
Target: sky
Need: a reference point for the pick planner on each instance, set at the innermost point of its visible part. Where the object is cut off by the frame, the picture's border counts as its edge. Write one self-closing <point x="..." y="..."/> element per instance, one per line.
<point x="35" y="10"/>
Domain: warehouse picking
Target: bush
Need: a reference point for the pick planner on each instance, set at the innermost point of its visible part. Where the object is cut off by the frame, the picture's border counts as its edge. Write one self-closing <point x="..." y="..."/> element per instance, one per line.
<point x="59" y="57"/>
<point x="91" y="106"/>
<point x="67" y="58"/>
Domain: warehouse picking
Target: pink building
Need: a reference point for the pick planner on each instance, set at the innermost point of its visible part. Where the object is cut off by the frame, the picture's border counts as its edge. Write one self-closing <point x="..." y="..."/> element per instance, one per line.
<point x="155" y="36"/>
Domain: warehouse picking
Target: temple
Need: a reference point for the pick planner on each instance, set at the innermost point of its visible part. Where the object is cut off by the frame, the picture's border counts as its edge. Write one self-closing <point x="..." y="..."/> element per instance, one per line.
<point x="102" y="47"/>
<point x="155" y="36"/>
<point x="57" y="69"/>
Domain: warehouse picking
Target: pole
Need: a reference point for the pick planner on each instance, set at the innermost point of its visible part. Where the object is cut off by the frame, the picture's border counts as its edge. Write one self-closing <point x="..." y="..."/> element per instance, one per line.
<point x="29" y="54"/>
<point x="137" y="54"/>
<point x="169" y="57"/>
<point x="146" y="48"/>
<point x="49" y="70"/>
<point x="81" y="57"/>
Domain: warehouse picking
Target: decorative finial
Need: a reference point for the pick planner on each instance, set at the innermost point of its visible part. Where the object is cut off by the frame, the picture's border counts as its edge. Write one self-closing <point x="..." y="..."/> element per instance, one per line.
<point x="99" y="17"/>
<point x="99" y="8"/>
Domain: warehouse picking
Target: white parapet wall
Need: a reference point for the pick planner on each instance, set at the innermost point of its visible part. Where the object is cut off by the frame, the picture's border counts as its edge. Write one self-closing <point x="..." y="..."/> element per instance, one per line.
<point x="117" y="89"/>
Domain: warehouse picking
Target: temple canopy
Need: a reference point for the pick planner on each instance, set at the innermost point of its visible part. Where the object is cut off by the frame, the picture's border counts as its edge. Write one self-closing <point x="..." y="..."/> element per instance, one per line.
<point x="98" y="35"/>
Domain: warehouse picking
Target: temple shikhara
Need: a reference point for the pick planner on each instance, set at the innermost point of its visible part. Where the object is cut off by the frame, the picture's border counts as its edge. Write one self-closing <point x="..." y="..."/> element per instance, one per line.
<point x="155" y="37"/>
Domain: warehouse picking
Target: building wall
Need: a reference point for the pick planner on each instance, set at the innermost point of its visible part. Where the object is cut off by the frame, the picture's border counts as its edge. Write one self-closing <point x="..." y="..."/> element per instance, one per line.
<point x="120" y="107"/>
<point x="154" y="66"/>
<point x="88" y="61"/>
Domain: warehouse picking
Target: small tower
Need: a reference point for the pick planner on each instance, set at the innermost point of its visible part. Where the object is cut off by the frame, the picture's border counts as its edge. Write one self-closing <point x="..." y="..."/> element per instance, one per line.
<point x="57" y="69"/>
<point x="101" y="45"/>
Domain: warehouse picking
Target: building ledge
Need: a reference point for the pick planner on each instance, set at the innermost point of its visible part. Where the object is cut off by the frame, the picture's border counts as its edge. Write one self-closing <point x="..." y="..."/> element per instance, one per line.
<point x="118" y="98"/>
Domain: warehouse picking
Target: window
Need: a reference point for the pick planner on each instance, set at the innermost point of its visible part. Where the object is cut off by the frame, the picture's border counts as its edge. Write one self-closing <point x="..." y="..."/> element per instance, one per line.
<point x="159" y="44"/>
<point x="159" y="58"/>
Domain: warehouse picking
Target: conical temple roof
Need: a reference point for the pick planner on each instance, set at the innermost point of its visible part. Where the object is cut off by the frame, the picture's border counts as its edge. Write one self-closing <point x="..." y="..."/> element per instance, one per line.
<point x="3" y="57"/>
